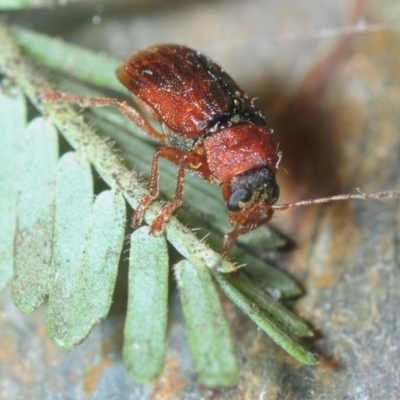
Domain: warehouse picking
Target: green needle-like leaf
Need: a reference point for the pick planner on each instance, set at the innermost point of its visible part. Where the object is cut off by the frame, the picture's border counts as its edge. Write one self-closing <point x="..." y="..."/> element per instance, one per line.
<point x="74" y="195"/>
<point x="59" y="55"/>
<point x="208" y="332"/>
<point x="146" y="320"/>
<point x="271" y="308"/>
<point x="35" y="219"/>
<point x="270" y="327"/>
<point x="12" y="123"/>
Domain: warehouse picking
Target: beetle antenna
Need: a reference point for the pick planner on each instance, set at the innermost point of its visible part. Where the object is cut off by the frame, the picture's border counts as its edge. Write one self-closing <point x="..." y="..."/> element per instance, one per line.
<point x="340" y="197"/>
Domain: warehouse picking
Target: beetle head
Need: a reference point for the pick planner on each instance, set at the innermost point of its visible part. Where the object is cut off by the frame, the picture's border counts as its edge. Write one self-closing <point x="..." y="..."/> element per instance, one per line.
<point x="249" y="190"/>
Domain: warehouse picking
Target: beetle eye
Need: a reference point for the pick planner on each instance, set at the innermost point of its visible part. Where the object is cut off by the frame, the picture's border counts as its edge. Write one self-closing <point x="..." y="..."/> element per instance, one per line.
<point x="273" y="193"/>
<point x="238" y="199"/>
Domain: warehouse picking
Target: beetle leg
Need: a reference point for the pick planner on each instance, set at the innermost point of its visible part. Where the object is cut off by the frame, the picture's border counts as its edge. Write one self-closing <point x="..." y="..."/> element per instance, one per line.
<point x="54" y="96"/>
<point x="184" y="161"/>
<point x="158" y="224"/>
<point x="153" y="191"/>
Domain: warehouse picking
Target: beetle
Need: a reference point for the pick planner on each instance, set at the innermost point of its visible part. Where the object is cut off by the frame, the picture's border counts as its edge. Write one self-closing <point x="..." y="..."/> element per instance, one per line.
<point x="210" y="126"/>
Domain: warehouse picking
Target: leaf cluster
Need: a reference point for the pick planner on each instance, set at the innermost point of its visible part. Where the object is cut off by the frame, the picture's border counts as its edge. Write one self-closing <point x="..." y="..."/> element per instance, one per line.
<point x="57" y="243"/>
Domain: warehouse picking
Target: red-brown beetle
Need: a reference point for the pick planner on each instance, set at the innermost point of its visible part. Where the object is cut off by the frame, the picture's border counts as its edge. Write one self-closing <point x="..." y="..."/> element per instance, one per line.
<point x="210" y="126"/>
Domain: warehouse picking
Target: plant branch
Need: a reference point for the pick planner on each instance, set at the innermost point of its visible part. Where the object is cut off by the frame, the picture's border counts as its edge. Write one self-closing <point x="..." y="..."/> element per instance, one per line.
<point x="81" y="136"/>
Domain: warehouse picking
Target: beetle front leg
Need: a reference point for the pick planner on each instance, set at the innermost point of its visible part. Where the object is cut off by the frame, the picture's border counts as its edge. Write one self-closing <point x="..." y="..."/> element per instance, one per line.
<point x="184" y="161"/>
<point x="153" y="191"/>
<point x="158" y="224"/>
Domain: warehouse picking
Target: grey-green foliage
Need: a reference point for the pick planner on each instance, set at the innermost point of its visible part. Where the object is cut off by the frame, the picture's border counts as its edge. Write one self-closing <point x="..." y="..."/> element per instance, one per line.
<point x="208" y="332"/>
<point x="35" y="215"/>
<point x="146" y="319"/>
<point x="81" y="243"/>
<point x="13" y="120"/>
